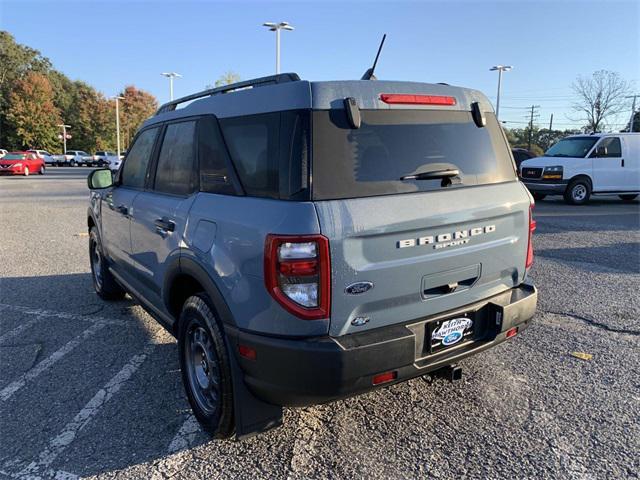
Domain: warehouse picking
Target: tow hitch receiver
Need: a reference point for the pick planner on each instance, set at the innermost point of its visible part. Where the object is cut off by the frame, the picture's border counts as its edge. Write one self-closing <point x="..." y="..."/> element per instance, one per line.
<point x="452" y="373"/>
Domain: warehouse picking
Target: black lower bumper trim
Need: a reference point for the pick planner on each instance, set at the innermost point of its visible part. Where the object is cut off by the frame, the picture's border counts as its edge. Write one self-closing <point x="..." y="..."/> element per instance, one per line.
<point x="301" y="372"/>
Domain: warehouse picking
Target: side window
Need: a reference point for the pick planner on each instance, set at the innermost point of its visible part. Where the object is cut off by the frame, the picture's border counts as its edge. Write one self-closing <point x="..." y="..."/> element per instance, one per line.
<point x="253" y="145"/>
<point x="613" y="146"/>
<point x="176" y="163"/>
<point x="134" y="171"/>
<point x="213" y="159"/>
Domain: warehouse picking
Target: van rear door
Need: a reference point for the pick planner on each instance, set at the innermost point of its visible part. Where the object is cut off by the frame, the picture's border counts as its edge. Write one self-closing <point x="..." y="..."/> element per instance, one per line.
<point x="405" y="249"/>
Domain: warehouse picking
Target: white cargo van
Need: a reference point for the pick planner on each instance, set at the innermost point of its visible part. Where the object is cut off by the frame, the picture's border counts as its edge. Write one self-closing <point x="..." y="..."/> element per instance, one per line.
<point x="583" y="165"/>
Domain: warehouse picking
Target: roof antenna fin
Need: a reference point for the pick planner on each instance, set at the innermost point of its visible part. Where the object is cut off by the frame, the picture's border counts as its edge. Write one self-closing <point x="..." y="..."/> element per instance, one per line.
<point x="368" y="75"/>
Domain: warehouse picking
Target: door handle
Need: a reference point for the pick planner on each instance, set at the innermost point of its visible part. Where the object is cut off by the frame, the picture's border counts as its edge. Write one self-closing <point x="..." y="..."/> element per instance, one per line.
<point x="622" y="162"/>
<point x="164" y="225"/>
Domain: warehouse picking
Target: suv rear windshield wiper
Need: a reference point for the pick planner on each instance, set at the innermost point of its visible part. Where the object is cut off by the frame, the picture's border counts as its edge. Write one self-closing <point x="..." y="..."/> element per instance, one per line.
<point x="433" y="174"/>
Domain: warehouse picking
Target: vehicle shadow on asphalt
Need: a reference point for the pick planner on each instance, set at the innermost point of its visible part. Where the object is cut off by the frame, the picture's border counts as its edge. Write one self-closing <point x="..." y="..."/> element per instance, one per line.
<point x="623" y="256"/>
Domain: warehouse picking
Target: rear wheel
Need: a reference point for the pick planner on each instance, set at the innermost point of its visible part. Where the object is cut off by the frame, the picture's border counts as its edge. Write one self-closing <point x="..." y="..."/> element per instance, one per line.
<point x="538" y="196"/>
<point x="41" y="171"/>
<point x="578" y="192"/>
<point x="205" y="367"/>
<point x="72" y="163"/>
<point x="25" y="172"/>
<point x="104" y="283"/>
<point x="628" y="198"/>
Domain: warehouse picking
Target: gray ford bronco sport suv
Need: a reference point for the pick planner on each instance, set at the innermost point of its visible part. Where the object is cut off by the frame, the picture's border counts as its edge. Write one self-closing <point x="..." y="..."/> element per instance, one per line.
<point x="309" y="241"/>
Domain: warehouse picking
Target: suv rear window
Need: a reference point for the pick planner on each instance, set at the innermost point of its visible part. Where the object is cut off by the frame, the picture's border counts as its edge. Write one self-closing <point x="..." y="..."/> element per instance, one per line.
<point x="270" y="153"/>
<point x="390" y="144"/>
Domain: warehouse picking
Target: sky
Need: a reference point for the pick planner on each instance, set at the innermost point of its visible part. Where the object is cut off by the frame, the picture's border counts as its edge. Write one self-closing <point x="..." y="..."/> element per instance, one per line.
<point x="110" y="44"/>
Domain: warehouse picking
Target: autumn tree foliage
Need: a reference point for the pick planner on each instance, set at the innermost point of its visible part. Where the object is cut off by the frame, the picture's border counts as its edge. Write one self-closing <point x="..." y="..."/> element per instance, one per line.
<point x="32" y="113"/>
<point x="34" y="98"/>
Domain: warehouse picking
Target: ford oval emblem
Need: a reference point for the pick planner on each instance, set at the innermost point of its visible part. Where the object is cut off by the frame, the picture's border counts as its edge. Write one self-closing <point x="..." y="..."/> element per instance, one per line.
<point x="358" y="288"/>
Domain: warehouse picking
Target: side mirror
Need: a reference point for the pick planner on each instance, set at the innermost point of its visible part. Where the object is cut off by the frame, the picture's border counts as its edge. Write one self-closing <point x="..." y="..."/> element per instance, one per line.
<point x="601" y="151"/>
<point x="101" y="178"/>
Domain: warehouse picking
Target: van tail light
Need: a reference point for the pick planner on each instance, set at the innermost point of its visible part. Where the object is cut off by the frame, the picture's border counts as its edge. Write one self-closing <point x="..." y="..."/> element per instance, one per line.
<point x="297" y="274"/>
<point x="406" y="99"/>
<point x="532" y="227"/>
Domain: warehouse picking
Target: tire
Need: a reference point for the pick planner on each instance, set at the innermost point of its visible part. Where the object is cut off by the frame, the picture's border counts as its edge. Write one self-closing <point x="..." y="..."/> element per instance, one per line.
<point x="42" y="170"/>
<point x="104" y="283"/>
<point x="25" y="172"/>
<point x="578" y="192"/>
<point x="72" y="163"/>
<point x="205" y="367"/>
<point x="538" y="197"/>
<point x="628" y="198"/>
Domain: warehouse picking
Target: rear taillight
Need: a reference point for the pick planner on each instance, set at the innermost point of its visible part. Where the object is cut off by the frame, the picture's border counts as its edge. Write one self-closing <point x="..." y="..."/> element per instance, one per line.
<point x="407" y="99"/>
<point x="297" y="274"/>
<point x="532" y="227"/>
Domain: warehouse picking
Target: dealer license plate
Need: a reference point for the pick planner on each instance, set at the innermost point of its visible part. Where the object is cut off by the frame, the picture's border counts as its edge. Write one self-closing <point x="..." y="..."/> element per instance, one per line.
<point x="450" y="332"/>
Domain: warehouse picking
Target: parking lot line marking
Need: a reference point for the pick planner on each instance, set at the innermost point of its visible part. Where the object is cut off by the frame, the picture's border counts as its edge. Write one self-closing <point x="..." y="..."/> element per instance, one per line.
<point x="18" y="330"/>
<point x="61" y="315"/>
<point x="16" y="385"/>
<point x="186" y="435"/>
<point x="93" y="406"/>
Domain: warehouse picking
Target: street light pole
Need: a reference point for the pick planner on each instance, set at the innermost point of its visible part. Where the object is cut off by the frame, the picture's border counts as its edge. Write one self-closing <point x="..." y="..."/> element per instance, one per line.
<point x="276" y="27"/>
<point x="633" y="111"/>
<point x="171" y="76"/>
<point x="500" y="69"/>
<point x="116" y="98"/>
<point x="64" y="137"/>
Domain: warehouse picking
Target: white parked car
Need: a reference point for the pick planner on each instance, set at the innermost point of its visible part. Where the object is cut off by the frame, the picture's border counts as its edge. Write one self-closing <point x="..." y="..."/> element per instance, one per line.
<point x="3" y="152"/>
<point x="583" y="165"/>
<point x="104" y="158"/>
<point x="73" y="158"/>
<point x="43" y="154"/>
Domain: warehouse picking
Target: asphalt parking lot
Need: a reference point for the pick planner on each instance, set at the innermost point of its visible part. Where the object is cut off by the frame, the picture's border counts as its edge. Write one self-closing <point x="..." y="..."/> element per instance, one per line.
<point x="92" y="389"/>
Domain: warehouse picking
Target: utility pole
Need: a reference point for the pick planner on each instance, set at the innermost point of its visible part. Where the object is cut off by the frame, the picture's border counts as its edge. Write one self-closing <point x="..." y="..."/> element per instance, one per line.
<point x="633" y="110"/>
<point x="551" y="122"/>
<point x="64" y="137"/>
<point x="533" y="110"/>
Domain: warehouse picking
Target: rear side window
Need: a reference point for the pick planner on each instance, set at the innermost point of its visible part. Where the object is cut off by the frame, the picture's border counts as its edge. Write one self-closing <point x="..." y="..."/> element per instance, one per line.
<point x="175" y="173"/>
<point x="134" y="172"/>
<point x="270" y="153"/>
<point x="390" y="144"/>
<point x="213" y="158"/>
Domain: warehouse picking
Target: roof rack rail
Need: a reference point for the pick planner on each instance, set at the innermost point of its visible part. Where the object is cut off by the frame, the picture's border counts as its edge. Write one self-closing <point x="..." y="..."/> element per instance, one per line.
<point x="256" y="82"/>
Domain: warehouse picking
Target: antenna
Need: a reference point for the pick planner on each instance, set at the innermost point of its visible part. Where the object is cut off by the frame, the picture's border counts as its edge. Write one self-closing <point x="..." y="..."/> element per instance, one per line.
<point x="368" y="75"/>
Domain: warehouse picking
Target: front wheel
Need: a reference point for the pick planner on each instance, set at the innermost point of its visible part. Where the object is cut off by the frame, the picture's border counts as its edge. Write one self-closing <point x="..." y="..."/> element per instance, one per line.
<point x="104" y="283"/>
<point x="72" y="163"/>
<point x="578" y="192"/>
<point x="628" y="198"/>
<point x="25" y="172"/>
<point x="205" y="367"/>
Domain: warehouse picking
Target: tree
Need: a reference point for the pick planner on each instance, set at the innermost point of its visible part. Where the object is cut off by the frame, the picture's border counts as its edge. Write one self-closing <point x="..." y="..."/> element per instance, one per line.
<point x="636" y="123"/>
<point x="15" y="62"/>
<point x="32" y="115"/>
<point x="92" y="119"/>
<point x="600" y="97"/>
<point x="226" y="79"/>
<point x="136" y="107"/>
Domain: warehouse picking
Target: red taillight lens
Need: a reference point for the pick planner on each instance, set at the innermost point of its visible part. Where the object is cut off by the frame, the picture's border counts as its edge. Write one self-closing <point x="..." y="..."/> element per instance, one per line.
<point x="384" y="377"/>
<point x="297" y="274"/>
<point x="532" y="227"/>
<point x="405" y="99"/>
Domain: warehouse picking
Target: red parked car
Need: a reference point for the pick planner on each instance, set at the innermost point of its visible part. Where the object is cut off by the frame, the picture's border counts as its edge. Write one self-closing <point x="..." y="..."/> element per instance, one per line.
<point x="21" y="163"/>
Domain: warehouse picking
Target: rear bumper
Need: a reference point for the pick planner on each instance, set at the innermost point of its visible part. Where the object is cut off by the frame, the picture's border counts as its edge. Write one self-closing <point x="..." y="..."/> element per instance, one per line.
<point x="547" y="187"/>
<point x="301" y="372"/>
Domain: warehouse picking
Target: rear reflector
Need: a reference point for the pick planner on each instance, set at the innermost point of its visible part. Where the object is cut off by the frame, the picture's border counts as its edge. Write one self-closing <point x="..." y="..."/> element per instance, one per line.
<point x="512" y="332"/>
<point x="247" y="352"/>
<point x="385" y="377"/>
<point x="404" y="99"/>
